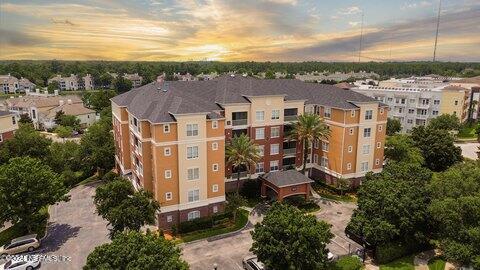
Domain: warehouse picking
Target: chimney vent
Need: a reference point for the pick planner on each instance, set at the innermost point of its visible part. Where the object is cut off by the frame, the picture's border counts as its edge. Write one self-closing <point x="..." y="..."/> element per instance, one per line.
<point x="165" y="86"/>
<point x="60" y="102"/>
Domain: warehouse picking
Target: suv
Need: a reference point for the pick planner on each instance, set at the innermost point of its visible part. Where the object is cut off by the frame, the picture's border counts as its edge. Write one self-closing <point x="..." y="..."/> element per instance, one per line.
<point x="252" y="263"/>
<point x="20" y="244"/>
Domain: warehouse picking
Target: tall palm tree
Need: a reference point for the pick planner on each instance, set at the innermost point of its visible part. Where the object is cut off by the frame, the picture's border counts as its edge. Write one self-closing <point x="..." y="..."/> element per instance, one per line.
<point x="241" y="151"/>
<point x="308" y="128"/>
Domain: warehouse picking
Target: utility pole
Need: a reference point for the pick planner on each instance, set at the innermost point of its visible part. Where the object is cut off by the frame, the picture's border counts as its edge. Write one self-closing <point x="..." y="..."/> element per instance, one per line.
<point x="361" y="40"/>
<point x="436" y="34"/>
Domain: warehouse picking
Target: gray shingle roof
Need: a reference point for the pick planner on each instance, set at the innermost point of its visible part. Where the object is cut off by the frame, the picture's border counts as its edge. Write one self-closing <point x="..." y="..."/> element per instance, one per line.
<point x="182" y="97"/>
<point x="286" y="178"/>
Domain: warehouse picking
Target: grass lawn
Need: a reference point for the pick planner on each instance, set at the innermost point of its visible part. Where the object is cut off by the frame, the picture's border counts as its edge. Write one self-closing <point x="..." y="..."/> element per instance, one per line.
<point x="436" y="264"/>
<point x="242" y="219"/>
<point x="405" y="263"/>
<point x="17" y="231"/>
<point x="326" y="193"/>
<point x="467" y="132"/>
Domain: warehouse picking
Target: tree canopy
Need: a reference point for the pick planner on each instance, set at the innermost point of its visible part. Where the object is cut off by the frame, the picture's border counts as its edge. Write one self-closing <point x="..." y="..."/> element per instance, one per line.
<point x="437" y="147"/>
<point x="122" y="85"/>
<point x="401" y="148"/>
<point x="26" y="186"/>
<point x="445" y="121"/>
<point x="134" y="250"/>
<point x="393" y="126"/>
<point x="124" y="208"/>
<point x="289" y="239"/>
<point x="98" y="100"/>
<point x="26" y="142"/>
<point x="97" y="149"/>
<point x="241" y="152"/>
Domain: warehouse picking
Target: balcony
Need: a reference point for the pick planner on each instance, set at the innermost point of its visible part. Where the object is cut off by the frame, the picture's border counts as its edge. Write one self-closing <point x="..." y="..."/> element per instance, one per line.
<point x="422" y="116"/>
<point x="239" y="122"/>
<point x="289" y="118"/>
<point x="239" y="118"/>
<point x="290" y="114"/>
<point x="289" y="151"/>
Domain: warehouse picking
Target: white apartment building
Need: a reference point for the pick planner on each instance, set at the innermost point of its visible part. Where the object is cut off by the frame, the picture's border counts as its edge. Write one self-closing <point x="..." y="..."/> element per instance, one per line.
<point x="73" y="82"/>
<point x="415" y="106"/>
<point x="10" y="84"/>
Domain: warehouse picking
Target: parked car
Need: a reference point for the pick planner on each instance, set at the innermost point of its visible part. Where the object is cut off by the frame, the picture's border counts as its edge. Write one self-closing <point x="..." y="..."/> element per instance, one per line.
<point x="20" y="244"/>
<point x="20" y="265"/>
<point x="252" y="263"/>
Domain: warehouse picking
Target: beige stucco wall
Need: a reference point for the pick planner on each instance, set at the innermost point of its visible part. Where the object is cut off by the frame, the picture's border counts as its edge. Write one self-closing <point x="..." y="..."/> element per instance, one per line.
<point x="6" y="124"/>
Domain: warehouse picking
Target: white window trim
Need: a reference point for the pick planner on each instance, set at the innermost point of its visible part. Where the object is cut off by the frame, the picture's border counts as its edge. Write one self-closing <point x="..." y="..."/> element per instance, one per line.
<point x="256" y="116"/>
<point x="350" y="149"/>
<point x="272" y="147"/>
<point x="169" y="218"/>
<point x="352" y="114"/>
<point x="379" y="145"/>
<point x="198" y="152"/>
<point x="192" y="124"/>
<point x="377" y="161"/>
<point x="380" y="127"/>
<point x="276" y="128"/>
<point x="349" y="166"/>
<point x="166" y="128"/>
<point x="167" y="151"/>
<point x="193" y="173"/>
<point x="215" y="188"/>
<point x="214" y="146"/>
<point x="256" y="134"/>
<point x="168" y="174"/>
<point x="277" y="117"/>
<point x="215" y="165"/>
<point x="188" y="195"/>
<point x="351" y="131"/>
<point x="214" y="124"/>
<point x="366" y="147"/>
<point x="168" y="196"/>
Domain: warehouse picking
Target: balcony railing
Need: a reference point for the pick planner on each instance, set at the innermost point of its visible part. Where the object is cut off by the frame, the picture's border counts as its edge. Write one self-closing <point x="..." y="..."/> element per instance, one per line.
<point x="290" y="151"/>
<point x="239" y="122"/>
<point x="290" y="118"/>
<point x="422" y="116"/>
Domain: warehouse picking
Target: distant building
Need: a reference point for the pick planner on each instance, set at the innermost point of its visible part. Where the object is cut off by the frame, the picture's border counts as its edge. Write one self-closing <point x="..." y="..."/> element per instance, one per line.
<point x="134" y="78"/>
<point x="184" y="77"/>
<point x="474" y="85"/>
<point x="73" y="82"/>
<point x="42" y="109"/>
<point x="11" y="85"/>
<point x="337" y="76"/>
<point x="8" y="125"/>
<point x="416" y="106"/>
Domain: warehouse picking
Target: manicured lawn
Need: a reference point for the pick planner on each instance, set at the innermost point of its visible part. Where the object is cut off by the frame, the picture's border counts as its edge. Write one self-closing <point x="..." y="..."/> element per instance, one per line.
<point x="436" y="264"/>
<point x="17" y="231"/>
<point x="328" y="194"/>
<point x="242" y="219"/>
<point x="405" y="263"/>
<point x="467" y="132"/>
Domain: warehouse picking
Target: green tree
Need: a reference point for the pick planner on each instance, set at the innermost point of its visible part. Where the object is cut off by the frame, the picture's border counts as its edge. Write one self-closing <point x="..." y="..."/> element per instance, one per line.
<point x="54" y="85"/>
<point x="289" y="239"/>
<point x="98" y="100"/>
<point x="26" y="186"/>
<point x="58" y="117"/>
<point x="343" y="185"/>
<point x="105" y="80"/>
<point x="437" y="147"/>
<point x="134" y="250"/>
<point x="26" y="142"/>
<point x="269" y="74"/>
<point x="241" y="152"/>
<point x="124" y="208"/>
<point x="69" y="121"/>
<point x="64" y="156"/>
<point x="64" y="131"/>
<point x="25" y="119"/>
<point x="401" y="148"/>
<point x="393" y="126"/>
<point x="446" y="122"/>
<point x="234" y="202"/>
<point x="122" y="85"/>
<point x="97" y="148"/>
<point x="308" y="128"/>
<point x="392" y="205"/>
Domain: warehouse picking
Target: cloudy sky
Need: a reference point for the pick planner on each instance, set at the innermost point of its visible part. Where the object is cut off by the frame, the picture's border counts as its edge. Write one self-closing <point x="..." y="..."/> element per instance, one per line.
<point x="234" y="30"/>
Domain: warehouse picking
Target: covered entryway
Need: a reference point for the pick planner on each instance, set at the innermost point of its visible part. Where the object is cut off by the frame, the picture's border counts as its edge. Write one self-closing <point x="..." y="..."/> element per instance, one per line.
<point x="281" y="184"/>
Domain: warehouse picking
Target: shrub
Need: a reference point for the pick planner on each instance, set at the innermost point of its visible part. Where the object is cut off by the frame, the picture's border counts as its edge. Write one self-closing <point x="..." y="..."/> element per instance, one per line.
<point x="348" y="263"/>
<point x="195" y="225"/>
<point x="394" y="250"/>
<point x="70" y="178"/>
<point x="251" y="188"/>
<point x="110" y="176"/>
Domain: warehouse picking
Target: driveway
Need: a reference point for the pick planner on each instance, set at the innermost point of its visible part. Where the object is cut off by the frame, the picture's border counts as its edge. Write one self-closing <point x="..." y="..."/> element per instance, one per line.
<point x="74" y="229"/>
<point x="469" y="150"/>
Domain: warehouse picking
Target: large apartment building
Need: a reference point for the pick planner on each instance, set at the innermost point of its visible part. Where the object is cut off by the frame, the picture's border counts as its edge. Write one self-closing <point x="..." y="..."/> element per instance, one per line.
<point x="415" y="105"/>
<point x="73" y="82"/>
<point x="10" y="84"/>
<point x="170" y="136"/>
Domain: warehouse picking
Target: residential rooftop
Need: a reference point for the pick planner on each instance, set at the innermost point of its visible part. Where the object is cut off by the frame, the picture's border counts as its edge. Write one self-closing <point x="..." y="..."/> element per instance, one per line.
<point x="159" y="101"/>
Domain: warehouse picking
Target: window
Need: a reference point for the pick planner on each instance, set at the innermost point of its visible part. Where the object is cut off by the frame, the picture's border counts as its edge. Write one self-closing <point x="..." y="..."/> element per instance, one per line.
<point x="274" y="165"/>
<point x="382" y="110"/>
<point x="324" y="162"/>
<point x="14" y="121"/>
<point x="410" y="121"/>
<point x="350" y="149"/>
<point x="368" y="115"/>
<point x="315" y="158"/>
<point x="379" y="144"/>
<point x="351" y="131"/>
<point x="400" y="110"/>
<point x="215" y="209"/>
<point x="259" y="168"/>
<point x="434" y="112"/>
<point x="456" y="102"/>
<point x="168" y="174"/>
<point x="325" y="146"/>
<point x="194" y="195"/>
<point x="315" y="143"/>
<point x="167" y="151"/>
<point x="367" y="132"/>
<point x="275" y="132"/>
<point x="193" y="173"/>
<point x="436" y="102"/>
<point x="411" y="111"/>
<point x="349" y="166"/>
<point x="275" y="114"/>
<point x="214" y="146"/>
<point x="34" y="114"/>
<point x="169" y="218"/>
<point x="380" y="128"/>
<point x="215" y="167"/>
<point x="215" y="188"/>
<point x="214" y="124"/>
<point x="261" y="150"/>
<point x="166" y="128"/>
<point x="377" y="161"/>
<point x="193" y="215"/>
<point x="168" y="196"/>
<point x="192" y="152"/>
<point x="259" y="133"/>
<point x="327" y="113"/>
<point x="364" y="166"/>
<point x="366" y="149"/>
<point x="260" y="116"/>
<point x="274" y="149"/>
<point x="352" y="113"/>
<point x="192" y="130"/>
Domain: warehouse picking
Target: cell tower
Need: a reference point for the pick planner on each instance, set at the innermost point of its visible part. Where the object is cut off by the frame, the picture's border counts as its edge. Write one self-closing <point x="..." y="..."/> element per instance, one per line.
<point x="436" y="34"/>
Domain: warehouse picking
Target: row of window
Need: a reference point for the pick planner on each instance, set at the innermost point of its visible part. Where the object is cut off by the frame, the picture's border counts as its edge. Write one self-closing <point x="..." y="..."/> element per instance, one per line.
<point x="260" y="133"/>
<point x="260" y="115"/>
<point x="192" y="173"/>
<point x="192" y="195"/>
<point x="193" y="214"/>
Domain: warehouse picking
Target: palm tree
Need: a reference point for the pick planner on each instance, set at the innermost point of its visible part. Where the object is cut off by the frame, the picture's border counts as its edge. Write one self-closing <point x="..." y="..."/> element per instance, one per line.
<point x="308" y="128"/>
<point x="241" y="152"/>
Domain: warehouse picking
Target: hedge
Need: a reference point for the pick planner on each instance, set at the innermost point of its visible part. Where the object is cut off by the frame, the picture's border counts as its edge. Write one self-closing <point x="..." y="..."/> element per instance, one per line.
<point x="204" y="223"/>
<point x="394" y="250"/>
<point x="348" y="263"/>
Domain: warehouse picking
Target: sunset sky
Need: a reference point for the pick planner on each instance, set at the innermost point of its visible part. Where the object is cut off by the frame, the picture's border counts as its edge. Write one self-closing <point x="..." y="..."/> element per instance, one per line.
<point x="238" y="30"/>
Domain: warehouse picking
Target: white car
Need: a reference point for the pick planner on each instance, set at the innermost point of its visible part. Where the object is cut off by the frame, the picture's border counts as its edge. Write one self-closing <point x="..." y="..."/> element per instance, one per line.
<point x="20" y="265"/>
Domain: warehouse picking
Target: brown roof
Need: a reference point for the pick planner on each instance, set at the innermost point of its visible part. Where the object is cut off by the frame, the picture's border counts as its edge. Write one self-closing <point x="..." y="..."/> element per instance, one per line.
<point x="344" y="85"/>
<point x="469" y="80"/>
<point x="70" y="109"/>
<point x="41" y="101"/>
<point x="454" y="88"/>
<point x="159" y="101"/>
<point x="286" y="178"/>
